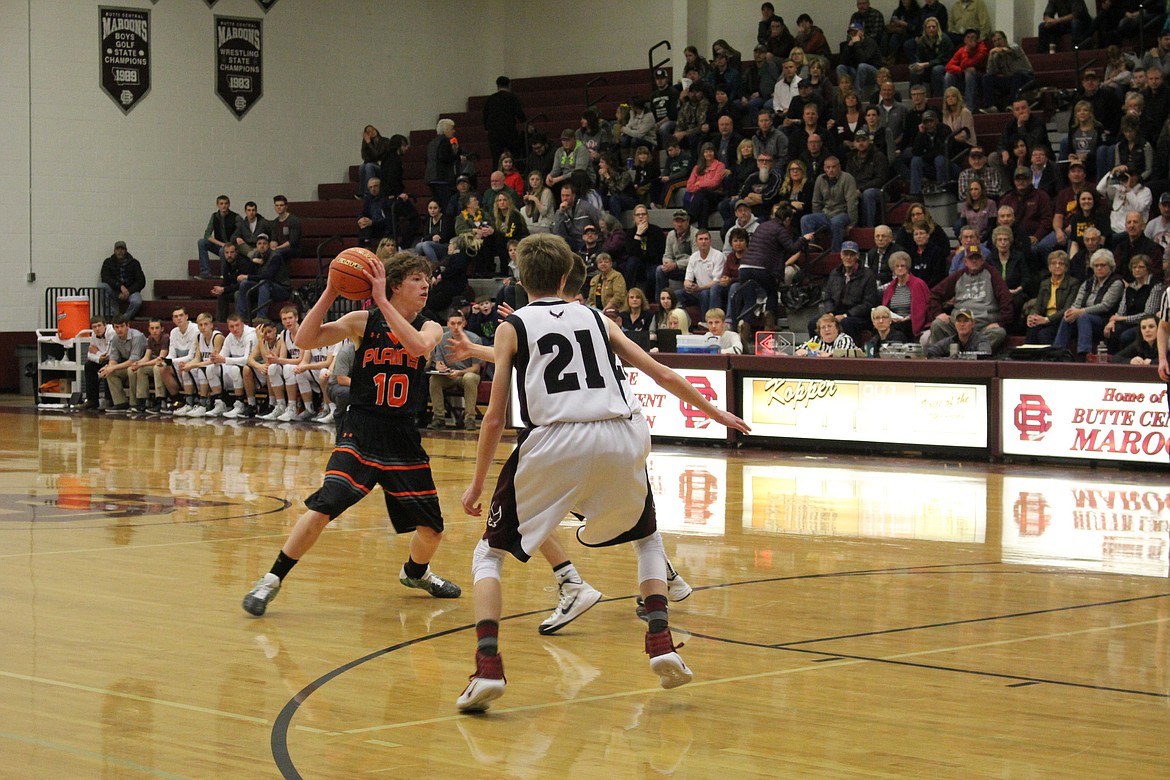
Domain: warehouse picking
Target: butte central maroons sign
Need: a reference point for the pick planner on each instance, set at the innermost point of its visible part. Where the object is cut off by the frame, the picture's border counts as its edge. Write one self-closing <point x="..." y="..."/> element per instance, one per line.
<point x="124" y="39"/>
<point x="239" y="63"/>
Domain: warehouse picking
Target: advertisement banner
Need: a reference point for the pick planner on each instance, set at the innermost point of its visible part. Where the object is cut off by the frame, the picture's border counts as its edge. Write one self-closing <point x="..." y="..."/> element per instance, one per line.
<point x="915" y="413"/>
<point x="1087" y="525"/>
<point x="124" y="38"/>
<point x="668" y="416"/>
<point x="1124" y="421"/>
<point x="239" y="63"/>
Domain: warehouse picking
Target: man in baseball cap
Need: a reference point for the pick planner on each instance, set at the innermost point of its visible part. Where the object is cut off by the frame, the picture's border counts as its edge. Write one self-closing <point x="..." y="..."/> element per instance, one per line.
<point x="849" y="293"/>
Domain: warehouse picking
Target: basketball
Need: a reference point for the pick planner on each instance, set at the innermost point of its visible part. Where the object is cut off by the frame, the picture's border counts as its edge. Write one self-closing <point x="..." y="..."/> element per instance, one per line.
<point x="345" y="273"/>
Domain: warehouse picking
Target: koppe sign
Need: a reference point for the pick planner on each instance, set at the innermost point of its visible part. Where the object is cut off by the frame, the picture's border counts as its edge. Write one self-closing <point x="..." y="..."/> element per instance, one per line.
<point x="1124" y="421"/>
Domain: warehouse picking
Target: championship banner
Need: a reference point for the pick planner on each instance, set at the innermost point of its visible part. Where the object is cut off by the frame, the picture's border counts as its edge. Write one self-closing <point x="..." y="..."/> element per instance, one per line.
<point x="1124" y="421"/>
<point x="124" y="37"/>
<point x="873" y="410"/>
<point x="239" y="64"/>
<point x="210" y="3"/>
<point x="266" y="4"/>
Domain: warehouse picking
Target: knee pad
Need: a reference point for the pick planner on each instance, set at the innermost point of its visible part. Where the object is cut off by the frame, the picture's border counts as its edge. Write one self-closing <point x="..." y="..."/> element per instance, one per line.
<point x="303" y="384"/>
<point x="232" y="378"/>
<point x="487" y="564"/>
<point x="651" y="558"/>
<point x="276" y="374"/>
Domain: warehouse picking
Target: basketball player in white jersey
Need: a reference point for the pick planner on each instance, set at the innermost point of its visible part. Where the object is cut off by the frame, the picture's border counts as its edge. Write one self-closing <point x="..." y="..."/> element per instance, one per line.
<point x="309" y="371"/>
<point x="182" y="351"/>
<point x="282" y="379"/>
<point x="584" y="451"/>
<point x="256" y="375"/>
<point x="576" y="596"/>
<point x="232" y="359"/>
<point x="207" y="376"/>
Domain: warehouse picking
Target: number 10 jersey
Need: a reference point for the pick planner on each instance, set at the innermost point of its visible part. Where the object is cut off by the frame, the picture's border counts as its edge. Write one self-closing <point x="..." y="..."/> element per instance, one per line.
<point x="386" y="380"/>
<point x="566" y="370"/>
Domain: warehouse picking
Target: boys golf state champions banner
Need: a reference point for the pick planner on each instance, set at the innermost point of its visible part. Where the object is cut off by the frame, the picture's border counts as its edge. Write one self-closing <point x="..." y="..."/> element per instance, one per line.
<point x="124" y="39"/>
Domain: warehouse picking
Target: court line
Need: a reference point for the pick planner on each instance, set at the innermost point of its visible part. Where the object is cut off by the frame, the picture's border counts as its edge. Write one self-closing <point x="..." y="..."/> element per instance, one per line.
<point x="135" y="697"/>
<point x="99" y="758"/>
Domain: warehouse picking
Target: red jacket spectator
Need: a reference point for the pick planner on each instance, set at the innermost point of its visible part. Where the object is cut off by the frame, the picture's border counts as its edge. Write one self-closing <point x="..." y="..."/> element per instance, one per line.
<point x="919" y="302"/>
<point x="964" y="58"/>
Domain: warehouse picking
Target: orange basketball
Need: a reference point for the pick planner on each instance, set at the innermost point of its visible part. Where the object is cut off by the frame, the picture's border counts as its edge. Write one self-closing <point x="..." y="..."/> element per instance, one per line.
<point x="345" y="273"/>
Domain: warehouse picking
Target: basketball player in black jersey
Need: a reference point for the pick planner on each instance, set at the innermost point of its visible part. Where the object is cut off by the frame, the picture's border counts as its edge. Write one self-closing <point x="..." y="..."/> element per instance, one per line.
<point x="379" y="443"/>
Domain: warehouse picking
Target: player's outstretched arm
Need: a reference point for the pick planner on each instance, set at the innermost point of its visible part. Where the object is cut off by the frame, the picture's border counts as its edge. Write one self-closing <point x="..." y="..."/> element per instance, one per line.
<point x="632" y="354"/>
<point x="459" y="347"/>
<point x="492" y="426"/>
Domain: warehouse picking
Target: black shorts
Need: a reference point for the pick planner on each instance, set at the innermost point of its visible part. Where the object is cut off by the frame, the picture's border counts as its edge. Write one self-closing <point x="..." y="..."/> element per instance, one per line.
<point x="373" y="452"/>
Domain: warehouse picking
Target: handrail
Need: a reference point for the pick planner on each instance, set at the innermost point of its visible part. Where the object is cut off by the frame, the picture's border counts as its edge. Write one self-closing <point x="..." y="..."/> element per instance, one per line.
<point x="650" y="58"/>
<point x="323" y="269"/>
<point x="598" y="80"/>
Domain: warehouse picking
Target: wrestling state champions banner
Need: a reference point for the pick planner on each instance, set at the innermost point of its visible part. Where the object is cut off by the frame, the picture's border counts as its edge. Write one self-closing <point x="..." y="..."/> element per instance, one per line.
<point x="124" y="38"/>
<point x="1092" y="420"/>
<point x="239" y="63"/>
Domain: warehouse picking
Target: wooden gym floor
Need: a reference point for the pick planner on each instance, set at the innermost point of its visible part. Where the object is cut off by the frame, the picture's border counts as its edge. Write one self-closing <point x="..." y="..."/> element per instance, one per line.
<point x="852" y="618"/>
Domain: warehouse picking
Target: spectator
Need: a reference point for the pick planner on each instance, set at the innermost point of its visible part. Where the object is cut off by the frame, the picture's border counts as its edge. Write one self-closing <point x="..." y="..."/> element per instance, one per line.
<point x="607" y="288"/>
<point x="883" y="332"/>
<point x="540" y="155"/>
<point x="977" y="211"/>
<point x="796" y="191"/>
<point x="218" y="234"/>
<point x="572" y="217"/>
<point x="835" y="200"/>
<point x="958" y="119"/>
<point x="849" y="293"/>
<point x="616" y="185"/>
<point x="811" y="38"/>
<point x="641" y="130"/>
<point x="1064" y="208"/>
<point x="1157" y="102"/>
<point x="968" y="238"/>
<point x="437" y="234"/>
<point x="877" y="259"/>
<point x="501" y="113"/>
<point x="704" y="185"/>
<point x="225" y="292"/>
<point x="907" y="297"/>
<point x="1132" y="243"/>
<point x="703" y="271"/>
<point x="373" y="222"/>
<point x="927" y="260"/>
<point x="1140" y="300"/>
<point x="1096" y="301"/>
<point x="126" y="348"/>
<point x="918" y="213"/>
<point x="284" y="231"/>
<point x="1125" y="193"/>
<point x="968" y="64"/>
<point x="1032" y="207"/>
<point x="496" y="186"/>
<point x="644" y="174"/>
<point x="968" y="15"/>
<point x="977" y="168"/>
<point x="1092" y="239"/>
<point x="1008" y="71"/>
<point x="674" y="173"/>
<point x="931" y="155"/>
<point x="507" y="224"/>
<point x="978" y="290"/>
<point x="1142" y="351"/>
<point x="828" y="338"/>
<point x="97" y="356"/>
<point x="760" y="79"/>
<point x="786" y="87"/>
<point x="1044" y="313"/>
<point x="767" y="139"/>
<point x="860" y="55"/>
<point x="664" y="105"/>
<point x="780" y="40"/>
<point x="1133" y="153"/>
<point x="728" y="340"/>
<point x="1043" y="171"/>
<point x="450" y="279"/>
<point x="248" y="228"/>
<point x="1031" y="129"/>
<point x="736" y="250"/>
<point x="513" y="179"/>
<point x="1062" y="17"/>
<point x="763" y="30"/>
<point x="905" y="24"/>
<point x="680" y="244"/>
<point x="1012" y="266"/>
<point x="929" y="57"/>
<point x="722" y="74"/>
<point x="572" y="156"/>
<point x="635" y="312"/>
<point x="442" y="161"/>
<point x="1158" y="228"/>
<point x="871" y="170"/>
<point x="964" y="339"/>
<point x="123" y="280"/>
<point x="538" y="204"/>
<point x="376" y="150"/>
<point x="935" y="9"/>
<point x="694" y="118"/>
<point x="268" y="277"/>
<point x="668" y="312"/>
<point x="645" y="245"/>
<point x="871" y="20"/>
<point x="446" y="373"/>
<point x="773" y="253"/>
<point x="153" y="364"/>
<point x="743" y="219"/>
<point x="1119" y="65"/>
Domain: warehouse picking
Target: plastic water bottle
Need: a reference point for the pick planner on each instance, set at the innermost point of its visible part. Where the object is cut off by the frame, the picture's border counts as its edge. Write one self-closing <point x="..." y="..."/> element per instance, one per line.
<point x="1102" y="353"/>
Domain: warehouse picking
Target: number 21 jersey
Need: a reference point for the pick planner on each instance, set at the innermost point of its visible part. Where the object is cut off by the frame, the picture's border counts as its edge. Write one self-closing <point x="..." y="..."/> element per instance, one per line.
<point x="565" y="367"/>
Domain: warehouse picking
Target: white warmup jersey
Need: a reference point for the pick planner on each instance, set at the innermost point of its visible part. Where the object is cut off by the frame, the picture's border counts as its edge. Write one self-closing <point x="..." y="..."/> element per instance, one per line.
<point x="236" y="351"/>
<point x="183" y="344"/>
<point x="565" y="368"/>
<point x="293" y="351"/>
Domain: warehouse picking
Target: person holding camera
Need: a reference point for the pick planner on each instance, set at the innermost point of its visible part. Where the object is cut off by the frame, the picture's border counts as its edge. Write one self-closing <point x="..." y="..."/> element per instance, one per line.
<point x="1125" y="192"/>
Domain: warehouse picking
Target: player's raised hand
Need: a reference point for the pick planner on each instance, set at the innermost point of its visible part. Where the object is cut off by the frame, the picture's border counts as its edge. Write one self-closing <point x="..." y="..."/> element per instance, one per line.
<point x="459" y="346"/>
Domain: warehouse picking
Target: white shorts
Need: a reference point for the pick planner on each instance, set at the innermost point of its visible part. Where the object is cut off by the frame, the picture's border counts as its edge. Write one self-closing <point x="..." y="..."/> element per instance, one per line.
<point x="596" y="470"/>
